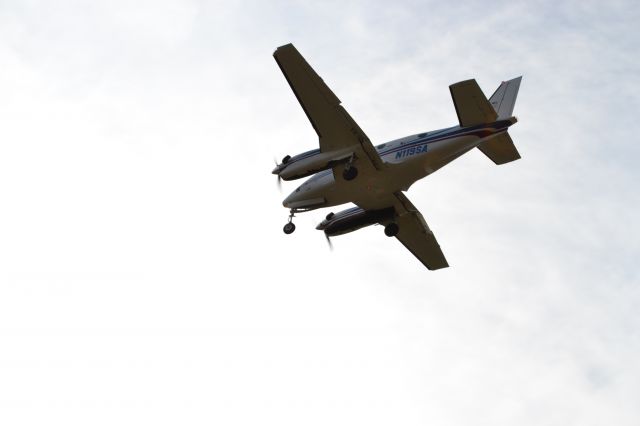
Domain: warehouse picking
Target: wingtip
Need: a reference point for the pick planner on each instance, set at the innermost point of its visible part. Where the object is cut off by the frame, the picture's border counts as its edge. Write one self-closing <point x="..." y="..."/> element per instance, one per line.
<point x="285" y="46"/>
<point x="282" y="50"/>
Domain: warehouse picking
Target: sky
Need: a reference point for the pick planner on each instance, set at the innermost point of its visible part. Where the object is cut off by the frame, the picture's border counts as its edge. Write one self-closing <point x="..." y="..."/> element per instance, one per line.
<point x="144" y="275"/>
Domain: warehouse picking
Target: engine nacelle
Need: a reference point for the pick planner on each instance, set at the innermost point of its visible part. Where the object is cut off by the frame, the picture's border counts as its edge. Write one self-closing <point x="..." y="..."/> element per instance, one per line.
<point x="353" y="219"/>
<point x="310" y="162"/>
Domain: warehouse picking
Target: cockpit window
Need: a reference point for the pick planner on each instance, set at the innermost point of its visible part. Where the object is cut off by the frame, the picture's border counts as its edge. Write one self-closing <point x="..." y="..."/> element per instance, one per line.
<point x="382" y="145"/>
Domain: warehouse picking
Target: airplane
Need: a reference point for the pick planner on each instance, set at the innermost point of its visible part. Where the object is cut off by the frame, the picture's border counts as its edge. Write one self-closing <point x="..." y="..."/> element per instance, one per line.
<point x="347" y="168"/>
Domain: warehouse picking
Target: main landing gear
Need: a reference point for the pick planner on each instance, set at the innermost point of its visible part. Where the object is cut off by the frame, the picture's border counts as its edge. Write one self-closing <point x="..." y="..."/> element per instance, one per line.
<point x="350" y="172"/>
<point x="290" y="226"/>
<point x="391" y="230"/>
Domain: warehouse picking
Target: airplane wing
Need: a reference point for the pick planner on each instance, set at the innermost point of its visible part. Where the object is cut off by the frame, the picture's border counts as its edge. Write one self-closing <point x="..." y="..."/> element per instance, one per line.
<point x="415" y="235"/>
<point x="334" y="126"/>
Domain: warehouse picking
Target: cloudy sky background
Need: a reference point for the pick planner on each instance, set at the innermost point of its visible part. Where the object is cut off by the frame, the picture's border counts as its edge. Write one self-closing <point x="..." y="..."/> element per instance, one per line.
<point x="144" y="275"/>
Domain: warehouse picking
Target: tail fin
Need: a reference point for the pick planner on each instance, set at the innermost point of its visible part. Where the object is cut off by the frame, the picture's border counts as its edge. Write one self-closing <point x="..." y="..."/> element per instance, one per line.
<point x="504" y="98"/>
<point x="473" y="109"/>
<point x="500" y="149"/>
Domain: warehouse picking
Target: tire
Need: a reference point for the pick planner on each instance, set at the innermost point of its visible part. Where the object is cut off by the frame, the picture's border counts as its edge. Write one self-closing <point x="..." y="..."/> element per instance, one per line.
<point x="350" y="173"/>
<point x="391" y="230"/>
<point x="289" y="228"/>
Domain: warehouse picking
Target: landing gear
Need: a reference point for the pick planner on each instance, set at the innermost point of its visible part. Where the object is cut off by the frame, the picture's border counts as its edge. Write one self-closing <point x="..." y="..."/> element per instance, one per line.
<point x="391" y="230"/>
<point x="290" y="226"/>
<point x="349" y="173"/>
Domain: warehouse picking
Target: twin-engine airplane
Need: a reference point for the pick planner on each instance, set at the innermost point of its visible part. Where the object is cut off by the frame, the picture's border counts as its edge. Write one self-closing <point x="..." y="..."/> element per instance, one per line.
<point x="348" y="168"/>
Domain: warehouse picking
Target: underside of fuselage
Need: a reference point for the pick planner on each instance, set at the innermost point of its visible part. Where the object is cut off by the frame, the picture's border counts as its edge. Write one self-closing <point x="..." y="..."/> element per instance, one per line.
<point x="406" y="161"/>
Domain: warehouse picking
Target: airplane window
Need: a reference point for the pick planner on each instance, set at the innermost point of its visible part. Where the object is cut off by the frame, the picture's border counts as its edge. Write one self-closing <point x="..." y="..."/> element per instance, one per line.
<point x="422" y="135"/>
<point x="382" y="145"/>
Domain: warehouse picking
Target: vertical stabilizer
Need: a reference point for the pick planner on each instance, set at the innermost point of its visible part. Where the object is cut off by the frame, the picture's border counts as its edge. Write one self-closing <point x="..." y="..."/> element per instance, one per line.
<point x="504" y="98"/>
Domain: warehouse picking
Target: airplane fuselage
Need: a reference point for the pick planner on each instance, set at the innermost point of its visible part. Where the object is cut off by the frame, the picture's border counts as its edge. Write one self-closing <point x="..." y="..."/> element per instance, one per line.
<point x="406" y="159"/>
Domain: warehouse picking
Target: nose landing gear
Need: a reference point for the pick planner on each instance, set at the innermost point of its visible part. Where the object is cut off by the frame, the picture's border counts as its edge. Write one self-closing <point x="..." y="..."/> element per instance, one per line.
<point x="290" y="226"/>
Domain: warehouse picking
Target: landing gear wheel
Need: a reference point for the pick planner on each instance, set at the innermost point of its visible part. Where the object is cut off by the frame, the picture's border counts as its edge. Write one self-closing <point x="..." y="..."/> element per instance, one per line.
<point x="289" y="228"/>
<point x="350" y="173"/>
<point x="391" y="230"/>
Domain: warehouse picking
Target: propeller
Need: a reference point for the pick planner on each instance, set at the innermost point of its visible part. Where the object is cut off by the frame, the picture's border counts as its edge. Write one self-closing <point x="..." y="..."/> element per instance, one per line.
<point x="328" y="241"/>
<point x="278" y="176"/>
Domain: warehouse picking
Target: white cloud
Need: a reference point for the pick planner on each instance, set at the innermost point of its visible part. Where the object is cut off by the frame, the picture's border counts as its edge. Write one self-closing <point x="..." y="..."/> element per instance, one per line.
<point x="145" y="275"/>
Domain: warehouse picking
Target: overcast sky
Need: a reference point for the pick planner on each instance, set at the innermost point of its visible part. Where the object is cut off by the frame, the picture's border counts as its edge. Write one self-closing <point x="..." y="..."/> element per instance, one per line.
<point x="144" y="275"/>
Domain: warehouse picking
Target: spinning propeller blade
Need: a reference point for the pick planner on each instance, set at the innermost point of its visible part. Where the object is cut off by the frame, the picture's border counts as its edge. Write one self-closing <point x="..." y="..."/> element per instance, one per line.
<point x="278" y="176"/>
<point x="329" y="242"/>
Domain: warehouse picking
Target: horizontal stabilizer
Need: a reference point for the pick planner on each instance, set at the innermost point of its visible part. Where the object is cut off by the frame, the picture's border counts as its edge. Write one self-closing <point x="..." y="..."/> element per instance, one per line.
<point x="471" y="104"/>
<point x="504" y="98"/>
<point x="500" y="149"/>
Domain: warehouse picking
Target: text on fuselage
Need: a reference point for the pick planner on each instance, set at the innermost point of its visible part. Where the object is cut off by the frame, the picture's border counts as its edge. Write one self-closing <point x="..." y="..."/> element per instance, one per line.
<point x="411" y="151"/>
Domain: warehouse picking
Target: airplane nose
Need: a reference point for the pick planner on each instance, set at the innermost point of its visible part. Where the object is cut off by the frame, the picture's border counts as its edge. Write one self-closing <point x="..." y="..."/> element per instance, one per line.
<point x="304" y="197"/>
<point x="288" y="200"/>
<point x="294" y="199"/>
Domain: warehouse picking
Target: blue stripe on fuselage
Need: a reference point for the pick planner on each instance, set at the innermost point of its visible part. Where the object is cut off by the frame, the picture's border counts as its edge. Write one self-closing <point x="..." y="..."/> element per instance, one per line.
<point x="420" y="145"/>
<point x="440" y="135"/>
